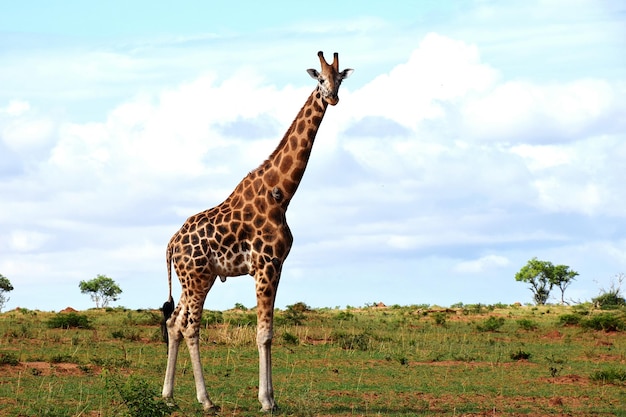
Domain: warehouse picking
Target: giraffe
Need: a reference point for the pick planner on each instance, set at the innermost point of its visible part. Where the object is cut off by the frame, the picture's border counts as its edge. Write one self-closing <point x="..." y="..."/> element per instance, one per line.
<point x="245" y="234"/>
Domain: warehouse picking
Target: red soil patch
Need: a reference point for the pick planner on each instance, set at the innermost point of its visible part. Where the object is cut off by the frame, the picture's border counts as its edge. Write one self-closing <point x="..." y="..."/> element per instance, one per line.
<point x="68" y="310"/>
<point x="46" y="369"/>
<point x="554" y="334"/>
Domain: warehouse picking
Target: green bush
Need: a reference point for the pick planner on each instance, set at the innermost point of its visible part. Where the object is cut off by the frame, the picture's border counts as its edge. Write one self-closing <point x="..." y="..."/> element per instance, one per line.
<point x="606" y="321"/>
<point x="111" y="362"/>
<point x="570" y="319"/>
<point x="610" y="300"/>
<point x="212" y="317"/>
<point x="60" y="358"/>
<point x="352" y="341"/>
<point x="474" y="309"/>
<point x="142" y="399"/>
<point x="290" y="339"/>
<point x="345" y="316"/>
<point x="126" y="334"/>
<point x="440" y="318"/>
<point x="243" y="320"/>
<point x="69" y="320"/>
<point x="526" y="324"/>
<point x="141" y="317"/>
<point x="8" y="358"/>
<point x="295" y="313"/>
<point x="609" y="376"/>
<point x="520" y="355"/>
<point x="492" y="324"/>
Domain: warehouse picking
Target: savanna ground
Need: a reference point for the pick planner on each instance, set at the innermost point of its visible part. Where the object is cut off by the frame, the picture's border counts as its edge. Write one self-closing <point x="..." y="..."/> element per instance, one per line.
<point x="373" y="361"/>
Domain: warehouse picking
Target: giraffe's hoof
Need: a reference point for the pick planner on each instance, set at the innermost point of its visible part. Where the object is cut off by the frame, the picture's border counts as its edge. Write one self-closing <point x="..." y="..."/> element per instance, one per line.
<point x="169" y="401"/>
<point x="212" y="410"/>
<point x="271" y="409"/>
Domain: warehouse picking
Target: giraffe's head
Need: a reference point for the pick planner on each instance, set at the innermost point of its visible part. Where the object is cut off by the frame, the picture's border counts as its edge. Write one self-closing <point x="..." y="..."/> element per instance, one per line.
<point x="329" y="78"/>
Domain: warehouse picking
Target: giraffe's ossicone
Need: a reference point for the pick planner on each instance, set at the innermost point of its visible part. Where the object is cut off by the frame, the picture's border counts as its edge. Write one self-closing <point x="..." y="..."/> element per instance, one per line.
<point x="246" y="234"/>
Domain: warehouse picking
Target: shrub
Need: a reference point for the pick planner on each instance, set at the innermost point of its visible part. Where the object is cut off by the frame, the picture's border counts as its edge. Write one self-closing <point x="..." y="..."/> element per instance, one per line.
<point x="492" y="324"/>
<point x="344" y="316"/>
<point x="69" y="320"/>
<point x="526" y="324"/>
<point x="295" y="313"/>
<point x="290" y="339"/>
<point x="141" y="398"/>
<point x="23" y="332"/>
<point x="111" y="362"/>
<point x="474" y="309"/>
<point x="212" y="317"/>
<point x="612" y="298"/>
<point x="609" y="300"/>
<point x="570" y="319"/>
<point x="243" y="320"/>
<point x="126" y="334"/>
<point x="440" y="319"/>
<point x="117" y="334"/>
<point x="140" y="317"/>
<point x="520" y="355"/>
<point x="300" y="307"/>
<point x="609" y="376"/>
<point x="605" y="321"/>
<point x="8" y="358"/>
<point x="60" y="358"/>
<point x="352" y="341"/>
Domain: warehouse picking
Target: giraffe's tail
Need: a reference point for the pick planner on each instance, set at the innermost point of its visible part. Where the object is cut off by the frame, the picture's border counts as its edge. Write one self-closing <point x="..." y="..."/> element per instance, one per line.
<point x="168" y="306"/>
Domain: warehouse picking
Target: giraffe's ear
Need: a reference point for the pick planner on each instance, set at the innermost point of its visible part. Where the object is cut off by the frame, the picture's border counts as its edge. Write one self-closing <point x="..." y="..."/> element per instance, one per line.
<point x="346" y="73"/>
<point x="313" y="73"/>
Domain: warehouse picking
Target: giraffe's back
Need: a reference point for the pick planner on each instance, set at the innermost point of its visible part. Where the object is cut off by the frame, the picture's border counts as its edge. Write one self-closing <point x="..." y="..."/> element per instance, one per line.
<point x="226" y="241"/>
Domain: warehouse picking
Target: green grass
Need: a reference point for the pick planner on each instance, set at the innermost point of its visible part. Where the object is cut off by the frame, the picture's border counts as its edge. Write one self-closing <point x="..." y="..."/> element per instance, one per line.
<point x="397" y="361"/>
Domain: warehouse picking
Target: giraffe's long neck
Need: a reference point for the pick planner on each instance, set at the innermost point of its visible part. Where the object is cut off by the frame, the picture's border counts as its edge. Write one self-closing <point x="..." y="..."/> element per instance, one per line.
<point x="291" y="156"/>
<point x="282" y="172"/>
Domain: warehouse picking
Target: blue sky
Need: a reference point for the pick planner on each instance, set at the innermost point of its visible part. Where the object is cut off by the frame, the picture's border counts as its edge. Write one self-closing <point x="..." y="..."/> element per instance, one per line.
<point x="473" y="136"/>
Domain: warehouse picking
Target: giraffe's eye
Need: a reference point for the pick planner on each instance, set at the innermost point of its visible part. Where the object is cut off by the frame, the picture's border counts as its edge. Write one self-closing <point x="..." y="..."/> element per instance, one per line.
<point x="322" y="81"/>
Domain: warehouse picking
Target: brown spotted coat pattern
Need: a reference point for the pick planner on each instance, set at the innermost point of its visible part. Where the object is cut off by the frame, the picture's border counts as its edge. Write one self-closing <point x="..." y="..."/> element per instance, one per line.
<point x="246" y="234"/>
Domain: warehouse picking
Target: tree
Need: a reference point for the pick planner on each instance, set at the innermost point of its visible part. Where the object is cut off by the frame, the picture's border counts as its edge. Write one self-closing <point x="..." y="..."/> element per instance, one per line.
<point x="5" y="286"/>
<point x="543" y="276"/>
<point x="102" y="289"/>
<point x="562" y="277"/>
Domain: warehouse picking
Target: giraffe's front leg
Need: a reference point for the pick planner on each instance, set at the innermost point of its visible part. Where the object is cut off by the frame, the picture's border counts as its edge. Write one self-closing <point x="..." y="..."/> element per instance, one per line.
<point x="266" y="294"/>
<point x="266" y="389"/>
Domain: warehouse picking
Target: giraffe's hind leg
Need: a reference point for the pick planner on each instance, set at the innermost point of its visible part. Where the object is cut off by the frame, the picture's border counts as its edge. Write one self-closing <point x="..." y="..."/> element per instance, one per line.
<point x="184" y="323"/>
<point x="173" y="338"/>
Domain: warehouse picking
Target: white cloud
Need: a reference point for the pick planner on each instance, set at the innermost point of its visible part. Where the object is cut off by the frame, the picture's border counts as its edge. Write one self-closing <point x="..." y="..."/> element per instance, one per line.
<point x="440" y="70"/>
<point x="482" y="264"/>
<point x="26" y="241"/>
<point x="581" y="177"/>
<point x="16" y="108"/>
<point x="520" y="111"/>
<point x="22" y="129"/>
<point x="539" y="157"/>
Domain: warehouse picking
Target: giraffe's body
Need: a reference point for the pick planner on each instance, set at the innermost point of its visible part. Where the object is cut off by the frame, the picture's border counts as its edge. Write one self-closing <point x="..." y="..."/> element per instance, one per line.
<point x="246" y="234"/>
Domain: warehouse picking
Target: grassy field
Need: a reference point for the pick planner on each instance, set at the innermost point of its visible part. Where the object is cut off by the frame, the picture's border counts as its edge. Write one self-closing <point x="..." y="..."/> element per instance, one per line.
<point x="373" y="361"/>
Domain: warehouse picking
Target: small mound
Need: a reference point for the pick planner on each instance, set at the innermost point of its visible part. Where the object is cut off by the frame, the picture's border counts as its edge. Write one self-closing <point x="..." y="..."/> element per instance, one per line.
<point x="68" y="310"/>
